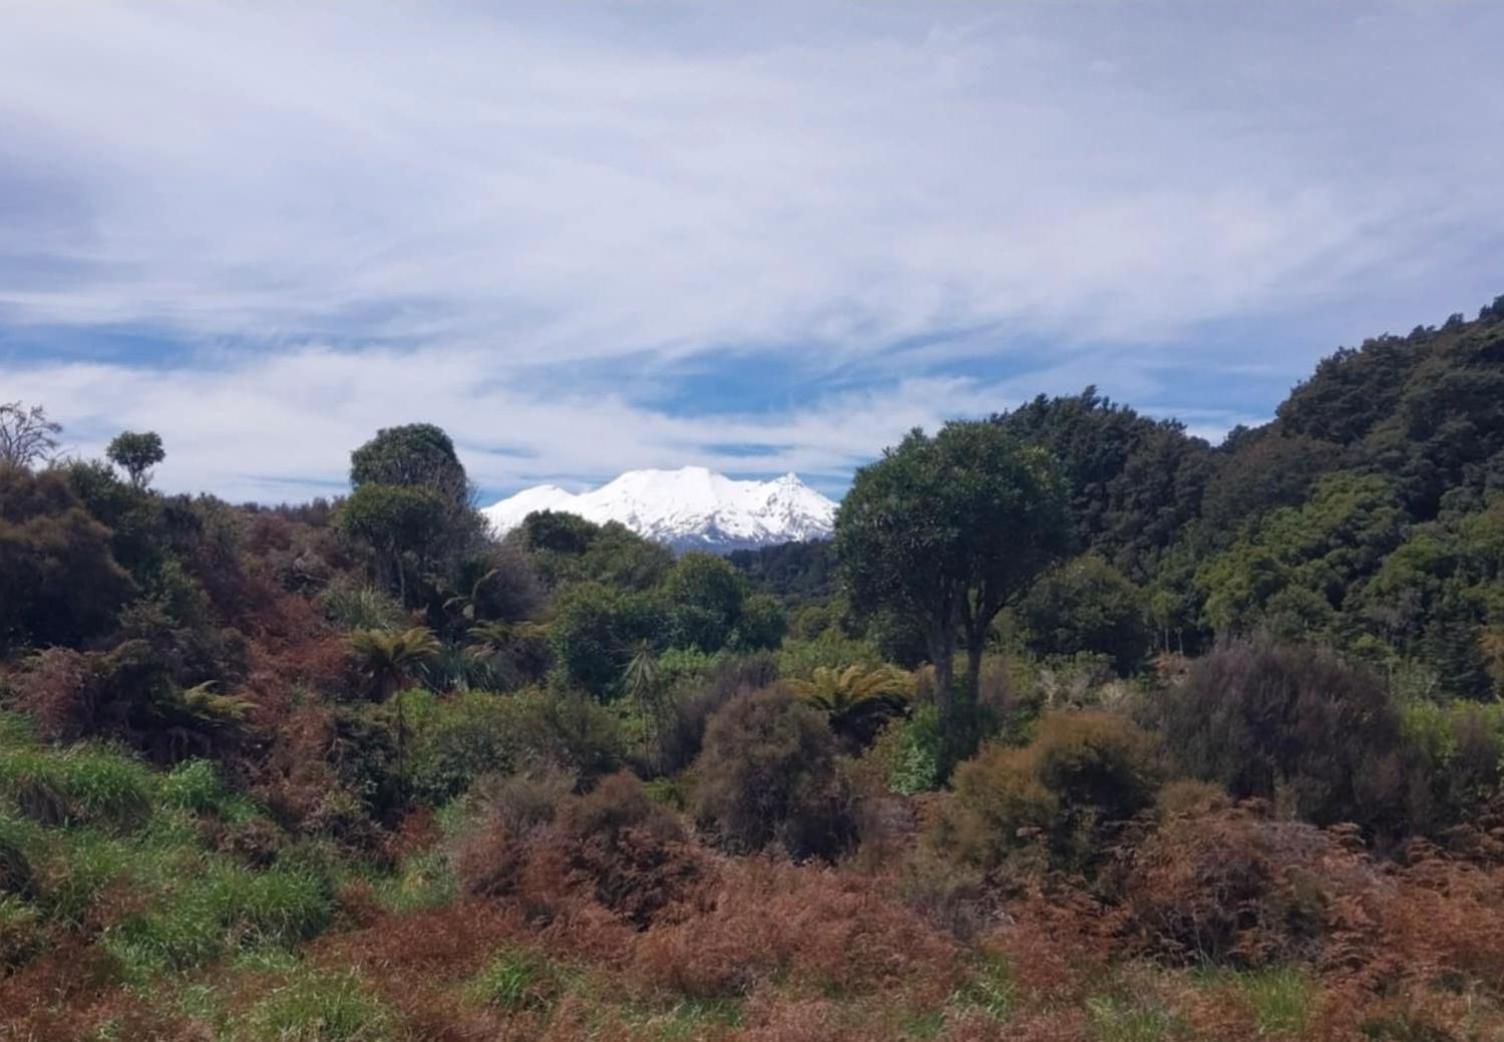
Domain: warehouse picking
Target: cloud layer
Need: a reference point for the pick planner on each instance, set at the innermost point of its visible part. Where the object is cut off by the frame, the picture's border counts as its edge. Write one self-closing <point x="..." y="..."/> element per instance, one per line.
<point x="265" y="230"/>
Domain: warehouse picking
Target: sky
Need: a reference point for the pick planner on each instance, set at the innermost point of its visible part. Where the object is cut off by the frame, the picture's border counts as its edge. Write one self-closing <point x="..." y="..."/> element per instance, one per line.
<point x="585" y="238"/>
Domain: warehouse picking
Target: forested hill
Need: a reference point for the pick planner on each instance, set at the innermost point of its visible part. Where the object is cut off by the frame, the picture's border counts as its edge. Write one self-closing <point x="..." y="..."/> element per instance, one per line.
<point x="1369" y="514"/>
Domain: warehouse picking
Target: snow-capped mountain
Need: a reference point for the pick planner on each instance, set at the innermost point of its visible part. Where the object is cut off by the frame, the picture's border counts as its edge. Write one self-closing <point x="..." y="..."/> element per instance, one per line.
<point x="689" y="509"/>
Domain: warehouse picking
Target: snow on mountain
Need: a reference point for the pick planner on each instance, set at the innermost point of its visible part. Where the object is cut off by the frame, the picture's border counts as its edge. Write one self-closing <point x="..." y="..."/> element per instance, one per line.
<point x="690" y="508"/>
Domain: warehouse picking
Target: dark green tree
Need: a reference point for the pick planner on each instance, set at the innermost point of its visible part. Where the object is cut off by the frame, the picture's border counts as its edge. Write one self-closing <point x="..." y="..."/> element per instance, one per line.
<point x="417" y="454"/>
<point x="136" y="453"/>
<point x="402" y="523"/>
<point x="1087" y="605"/>
<point x="946" y="530"/>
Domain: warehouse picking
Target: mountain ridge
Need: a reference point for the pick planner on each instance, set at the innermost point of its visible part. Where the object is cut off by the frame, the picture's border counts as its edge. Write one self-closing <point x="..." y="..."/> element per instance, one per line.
<point x="691" y="508"/>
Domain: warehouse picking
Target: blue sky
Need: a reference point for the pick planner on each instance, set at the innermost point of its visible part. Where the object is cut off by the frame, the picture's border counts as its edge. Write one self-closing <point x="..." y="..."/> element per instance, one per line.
<point x="586" y="237"/>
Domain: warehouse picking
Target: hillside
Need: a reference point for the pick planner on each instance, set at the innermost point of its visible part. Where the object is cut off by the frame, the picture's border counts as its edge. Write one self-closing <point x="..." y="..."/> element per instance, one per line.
<point x="1078" y="728"/>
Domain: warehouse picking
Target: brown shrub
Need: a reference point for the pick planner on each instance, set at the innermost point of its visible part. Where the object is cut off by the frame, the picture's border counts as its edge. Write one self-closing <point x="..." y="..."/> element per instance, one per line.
<point x="824" y="930"/>
<point x="612" y="846"/>
<point x="767" y="775"/>
<point x="1228" y="886"/>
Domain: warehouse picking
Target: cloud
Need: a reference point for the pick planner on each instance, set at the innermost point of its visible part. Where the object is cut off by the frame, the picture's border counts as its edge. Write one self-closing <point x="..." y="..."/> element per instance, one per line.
<point x="529" y="222"/>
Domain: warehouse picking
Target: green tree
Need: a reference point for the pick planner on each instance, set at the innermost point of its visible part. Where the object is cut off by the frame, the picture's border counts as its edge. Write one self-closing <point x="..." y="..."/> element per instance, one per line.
<point x="856" y="701"/>
<point x="414" y="455"/>
<point x="1087" y="605"/>
<point x="597" y="631"/>
<point x="946" y="530"/>
<point x="389" y="660"/>
<point x="400" y="522"/>
<point x="704" y="595"/>
<point x="137" y="452"/>
<point x="59" y="583"/>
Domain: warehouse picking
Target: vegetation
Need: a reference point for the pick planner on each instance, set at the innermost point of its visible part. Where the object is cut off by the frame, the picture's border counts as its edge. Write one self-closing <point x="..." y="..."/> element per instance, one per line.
<point x="1080" y="729"/>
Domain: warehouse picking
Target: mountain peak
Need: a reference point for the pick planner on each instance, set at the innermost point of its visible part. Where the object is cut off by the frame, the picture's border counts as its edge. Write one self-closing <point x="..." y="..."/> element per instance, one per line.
<point x="688" y="508"/>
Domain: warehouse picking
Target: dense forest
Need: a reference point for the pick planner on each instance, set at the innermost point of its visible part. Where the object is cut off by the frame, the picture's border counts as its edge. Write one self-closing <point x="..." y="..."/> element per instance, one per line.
<point x="1079" y="728"/>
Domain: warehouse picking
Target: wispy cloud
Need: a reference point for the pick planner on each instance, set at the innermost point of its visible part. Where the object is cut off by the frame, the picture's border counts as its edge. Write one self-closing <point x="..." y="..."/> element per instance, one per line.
<point x="488" y="213"/>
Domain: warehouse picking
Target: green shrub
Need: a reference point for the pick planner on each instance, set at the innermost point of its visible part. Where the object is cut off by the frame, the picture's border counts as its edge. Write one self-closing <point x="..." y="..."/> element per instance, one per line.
<point x="319" y="1008"/>
<point x="194" y="785"/>
<point x="1084" y="772"/>
<point x="465" y="736"/>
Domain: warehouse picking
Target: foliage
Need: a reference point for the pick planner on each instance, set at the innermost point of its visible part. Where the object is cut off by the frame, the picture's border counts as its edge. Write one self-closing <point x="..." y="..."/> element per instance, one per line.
<point x="136" y="453"/>
<point x="1085" y="773"/>
<point x="1088" y="606"/>
<point x="945" y="530"/>
<point x="61" y="582"/>
<point x="1292" y="723"/>
<point x="767" y="775"/>
<point x="856" y="702"/>
<point x="390" y="659"/>
<point x="596" y="631"/>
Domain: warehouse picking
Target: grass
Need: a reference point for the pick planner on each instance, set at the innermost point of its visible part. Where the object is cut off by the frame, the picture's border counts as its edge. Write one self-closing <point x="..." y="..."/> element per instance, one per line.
<point x="1113" y="1019"/>
<point x="1280" y="996"/>
<point x="84" y="785"/>
<point x="425" y="880"/>
<point x="516" y="979"/>
<point x="318" y="1008"/>
<point x="990" y="987"/>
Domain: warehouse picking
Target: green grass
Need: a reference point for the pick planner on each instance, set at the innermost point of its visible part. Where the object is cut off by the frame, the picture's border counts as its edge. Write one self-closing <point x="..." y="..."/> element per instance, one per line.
<point x="989" y="987"/>
<point x="516" y="979"/>
<point x="218" y="908"/>
<point x="319" y="1008"/>
<point x="1116" y="1020"/>
<point x="83" y="785"/>
<point x="425" y="880"/>
<point x="1280" y="996"/>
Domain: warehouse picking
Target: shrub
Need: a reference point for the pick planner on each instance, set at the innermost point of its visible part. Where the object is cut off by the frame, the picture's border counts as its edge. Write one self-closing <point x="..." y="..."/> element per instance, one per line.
<point x="767" y="775"/>
<point x="1224" y="885"/>
<point x="1266" y="720"/>
<point x="683" y="734"/>
<point x="1084" y="773"/>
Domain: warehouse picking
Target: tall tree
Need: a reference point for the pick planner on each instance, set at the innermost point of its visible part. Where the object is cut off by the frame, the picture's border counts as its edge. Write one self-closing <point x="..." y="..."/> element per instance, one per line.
<point x="27" y="436"/>
<point x="137" y="453"/>
<point x="945" y="530"/>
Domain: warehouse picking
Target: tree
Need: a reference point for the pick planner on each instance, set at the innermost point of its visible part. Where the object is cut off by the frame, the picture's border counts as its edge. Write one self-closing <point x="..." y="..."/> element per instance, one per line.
<point x="389" y="660"/>
<point x="417" y="454"/>
<point x="26" y="435"/>
<point x="59" y="583"/>
<point x="137" y="453"/>
<point x="945" y="531"/>
<point x="1088" y="606"/>
<point x="704" y="596"/>
<point x="397" y="520"/>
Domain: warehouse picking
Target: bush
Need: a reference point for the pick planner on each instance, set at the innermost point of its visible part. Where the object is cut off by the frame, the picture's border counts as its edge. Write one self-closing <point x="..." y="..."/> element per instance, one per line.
<point x="460" y="738"/>
<point x="767" y="775"/>
<point x="1060" y="796"/>
<point x="1296" y="723"/>
<point x="61" y="582"/>
<point x="612" y="846"/>
<point x="1226" y="886"/>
